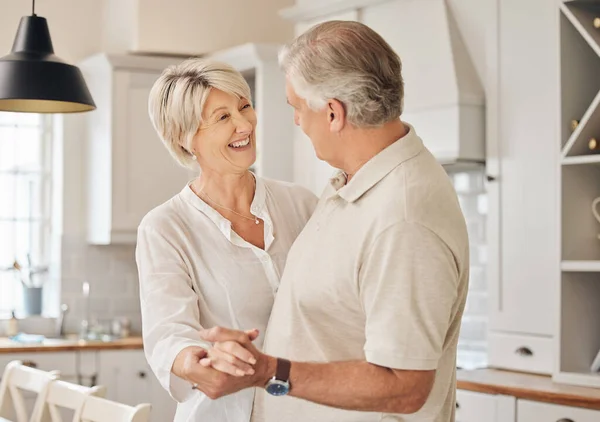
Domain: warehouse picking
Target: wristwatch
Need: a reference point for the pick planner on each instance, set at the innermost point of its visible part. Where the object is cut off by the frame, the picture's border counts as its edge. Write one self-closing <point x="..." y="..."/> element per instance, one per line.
<point x="279" y="385"/>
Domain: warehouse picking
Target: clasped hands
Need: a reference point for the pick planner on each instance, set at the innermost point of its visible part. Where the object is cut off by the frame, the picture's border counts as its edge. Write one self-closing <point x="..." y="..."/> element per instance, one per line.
<point x="232" y="364"/>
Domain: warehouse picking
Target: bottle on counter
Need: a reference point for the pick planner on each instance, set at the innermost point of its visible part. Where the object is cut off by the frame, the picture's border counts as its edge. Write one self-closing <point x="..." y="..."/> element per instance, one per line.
<point x="12" y="325"/>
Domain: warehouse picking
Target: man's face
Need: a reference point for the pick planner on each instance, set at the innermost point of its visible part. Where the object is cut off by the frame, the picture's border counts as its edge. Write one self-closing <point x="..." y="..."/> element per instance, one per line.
<point x="313" y="123"/>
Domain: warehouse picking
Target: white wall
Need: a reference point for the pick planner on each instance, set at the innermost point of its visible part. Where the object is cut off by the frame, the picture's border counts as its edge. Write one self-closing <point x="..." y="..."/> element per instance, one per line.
<point x="192" y="26"/>
<point x="75" y="25"/>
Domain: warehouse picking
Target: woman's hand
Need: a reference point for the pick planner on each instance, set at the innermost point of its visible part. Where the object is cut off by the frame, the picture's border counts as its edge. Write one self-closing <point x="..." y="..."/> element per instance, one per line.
<point x="231" y="357"/>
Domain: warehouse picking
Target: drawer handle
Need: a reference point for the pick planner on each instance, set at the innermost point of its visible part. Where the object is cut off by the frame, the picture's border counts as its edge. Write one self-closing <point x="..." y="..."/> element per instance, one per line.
<point x="29" y="363"/>
<point x="525" y="351"/>
<point x="457" y="405"/>
<point x="565" y="420"/>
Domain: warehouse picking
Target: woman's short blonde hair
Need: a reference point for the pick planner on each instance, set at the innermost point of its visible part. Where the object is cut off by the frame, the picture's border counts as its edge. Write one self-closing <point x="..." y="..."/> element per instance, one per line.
<point x="178" y="96"/>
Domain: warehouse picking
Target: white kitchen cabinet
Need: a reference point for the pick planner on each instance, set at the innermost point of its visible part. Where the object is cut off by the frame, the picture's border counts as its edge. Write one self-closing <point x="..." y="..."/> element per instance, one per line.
<point x="129" y="171"/>
<point x="531" y="411"/>
<point x="477" y="407"/>
<point x="522" y="179"/>
<point x="129" y="380"/>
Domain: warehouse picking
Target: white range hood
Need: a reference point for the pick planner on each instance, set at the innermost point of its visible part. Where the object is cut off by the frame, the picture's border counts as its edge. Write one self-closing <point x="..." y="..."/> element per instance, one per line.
<point x="444" y="98"/>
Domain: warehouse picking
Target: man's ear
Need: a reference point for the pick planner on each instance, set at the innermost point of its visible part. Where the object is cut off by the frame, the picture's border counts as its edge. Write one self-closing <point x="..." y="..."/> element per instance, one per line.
<point x="336" y="115"/>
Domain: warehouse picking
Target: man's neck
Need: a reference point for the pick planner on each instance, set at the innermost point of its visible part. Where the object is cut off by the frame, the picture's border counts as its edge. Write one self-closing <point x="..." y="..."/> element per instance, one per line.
<point x="367" y="143"/>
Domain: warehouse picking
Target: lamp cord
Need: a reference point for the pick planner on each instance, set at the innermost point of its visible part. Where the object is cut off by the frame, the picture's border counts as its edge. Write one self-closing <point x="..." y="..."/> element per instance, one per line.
<point x="33" y="7"/>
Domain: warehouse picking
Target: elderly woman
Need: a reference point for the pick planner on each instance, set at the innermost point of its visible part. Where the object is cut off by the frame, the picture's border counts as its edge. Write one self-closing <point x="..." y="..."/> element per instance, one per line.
<point x="213" y="254"/>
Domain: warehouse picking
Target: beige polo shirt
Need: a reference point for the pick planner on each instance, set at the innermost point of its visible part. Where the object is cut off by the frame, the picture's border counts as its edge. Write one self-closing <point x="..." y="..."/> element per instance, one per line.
<point x="380" y="273"/>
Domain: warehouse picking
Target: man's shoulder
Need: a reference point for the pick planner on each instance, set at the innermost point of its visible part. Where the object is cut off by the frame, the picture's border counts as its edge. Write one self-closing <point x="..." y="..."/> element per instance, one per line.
<point x="292" y="191"/>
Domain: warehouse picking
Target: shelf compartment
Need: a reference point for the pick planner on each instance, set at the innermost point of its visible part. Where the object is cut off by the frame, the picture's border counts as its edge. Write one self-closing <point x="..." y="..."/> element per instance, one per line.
<point x="579" y="334"/>
<point x="580" y="84"/>
<point x="581" y="14"/>
<point x="580" y="229"/>
<point x="589" y="127"/>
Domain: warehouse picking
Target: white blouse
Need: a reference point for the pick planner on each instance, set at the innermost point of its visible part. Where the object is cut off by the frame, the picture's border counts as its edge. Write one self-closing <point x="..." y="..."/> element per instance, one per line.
<point x="195" y="272"/>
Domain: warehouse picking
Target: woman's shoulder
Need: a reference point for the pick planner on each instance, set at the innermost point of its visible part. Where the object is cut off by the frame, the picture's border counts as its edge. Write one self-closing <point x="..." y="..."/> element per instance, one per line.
<point x="162" y="216"/>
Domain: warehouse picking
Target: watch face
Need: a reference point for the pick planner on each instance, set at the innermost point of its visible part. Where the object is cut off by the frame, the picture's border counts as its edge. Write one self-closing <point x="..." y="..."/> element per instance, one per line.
<point x="277" y="388"/>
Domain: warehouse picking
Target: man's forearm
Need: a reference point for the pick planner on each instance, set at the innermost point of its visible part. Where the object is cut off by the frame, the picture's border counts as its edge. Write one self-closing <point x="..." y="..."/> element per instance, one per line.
<point x="359" y="385"/>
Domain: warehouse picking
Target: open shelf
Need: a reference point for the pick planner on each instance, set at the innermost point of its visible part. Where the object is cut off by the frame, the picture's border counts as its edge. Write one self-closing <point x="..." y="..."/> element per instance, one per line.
<point x="580" y="84"/>
<point x="580" y="186"/>
<point x="581" y="159"/>
<point x="580" y="266"/>
<point x="582" y="13"/>
<point x="579" y="333"/>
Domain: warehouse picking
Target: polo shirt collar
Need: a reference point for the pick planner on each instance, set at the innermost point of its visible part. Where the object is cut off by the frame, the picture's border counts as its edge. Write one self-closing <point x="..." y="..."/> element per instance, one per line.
<point x="377" y="167"/>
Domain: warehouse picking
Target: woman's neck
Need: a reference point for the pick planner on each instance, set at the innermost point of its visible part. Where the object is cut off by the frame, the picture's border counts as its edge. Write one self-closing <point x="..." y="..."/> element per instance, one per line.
<point x="233" y="191"/>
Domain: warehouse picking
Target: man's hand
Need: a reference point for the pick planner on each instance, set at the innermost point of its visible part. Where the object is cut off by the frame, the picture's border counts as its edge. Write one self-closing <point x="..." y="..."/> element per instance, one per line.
<point x="265" y="365"/>
<point x="213" y="382"/>
<point x="231" y="357"/>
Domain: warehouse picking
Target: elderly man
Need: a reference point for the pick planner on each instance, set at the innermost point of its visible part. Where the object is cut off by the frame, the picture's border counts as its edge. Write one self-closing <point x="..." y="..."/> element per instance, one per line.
<point x="366" y="320"/>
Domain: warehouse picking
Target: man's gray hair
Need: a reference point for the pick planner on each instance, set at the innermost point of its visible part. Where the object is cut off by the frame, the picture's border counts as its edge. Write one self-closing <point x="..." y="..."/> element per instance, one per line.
<point x="349" y="62"/>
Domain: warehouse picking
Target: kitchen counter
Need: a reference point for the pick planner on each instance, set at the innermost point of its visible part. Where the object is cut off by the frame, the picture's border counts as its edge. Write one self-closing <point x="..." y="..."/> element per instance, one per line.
<point x="527" y="386"/>
<point x="68" y="345"/>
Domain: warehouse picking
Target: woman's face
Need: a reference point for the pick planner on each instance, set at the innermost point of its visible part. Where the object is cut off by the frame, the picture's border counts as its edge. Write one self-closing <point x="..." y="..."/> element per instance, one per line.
<point x="226" y="142"/>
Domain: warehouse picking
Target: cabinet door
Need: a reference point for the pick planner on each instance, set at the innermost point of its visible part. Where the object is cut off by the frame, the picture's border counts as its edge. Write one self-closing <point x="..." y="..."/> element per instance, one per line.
<point x="477" y="407"/>
<point x="531" y="411"/>
<point x="522" y="155"/>
<point x="129" y="380"/>
<point x="144" y="173"/>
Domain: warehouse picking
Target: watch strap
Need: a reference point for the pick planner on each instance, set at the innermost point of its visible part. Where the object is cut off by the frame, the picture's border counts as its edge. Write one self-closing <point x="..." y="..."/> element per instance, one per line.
<point x="283" y="369"/>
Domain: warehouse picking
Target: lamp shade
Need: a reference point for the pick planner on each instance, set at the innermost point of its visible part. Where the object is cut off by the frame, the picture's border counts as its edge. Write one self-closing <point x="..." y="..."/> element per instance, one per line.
<point x="33" y="79"/>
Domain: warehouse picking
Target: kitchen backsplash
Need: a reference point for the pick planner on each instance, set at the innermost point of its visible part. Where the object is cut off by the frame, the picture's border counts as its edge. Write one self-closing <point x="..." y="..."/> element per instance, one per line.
<point x="112" y="274"/>
<point x="470" y="187"/>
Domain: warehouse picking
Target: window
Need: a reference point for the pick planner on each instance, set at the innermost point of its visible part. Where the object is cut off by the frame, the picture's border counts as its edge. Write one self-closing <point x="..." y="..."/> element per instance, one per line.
<point x="472" y="343"/>
<point x="25" y="204"/>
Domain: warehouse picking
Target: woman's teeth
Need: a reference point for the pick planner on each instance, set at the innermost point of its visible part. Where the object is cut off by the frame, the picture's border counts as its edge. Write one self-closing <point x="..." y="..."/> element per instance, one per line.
<point x="239" y="144"/>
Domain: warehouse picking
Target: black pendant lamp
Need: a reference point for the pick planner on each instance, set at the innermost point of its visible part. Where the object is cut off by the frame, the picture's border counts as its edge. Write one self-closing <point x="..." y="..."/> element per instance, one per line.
<point x="34" y="80"/>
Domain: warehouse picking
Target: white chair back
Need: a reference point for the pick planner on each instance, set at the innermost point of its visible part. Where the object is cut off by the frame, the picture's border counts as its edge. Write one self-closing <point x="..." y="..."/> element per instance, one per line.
<point x="18" y="378"/>
<point x="96" y="409"/>
<point x="65" y="395"/>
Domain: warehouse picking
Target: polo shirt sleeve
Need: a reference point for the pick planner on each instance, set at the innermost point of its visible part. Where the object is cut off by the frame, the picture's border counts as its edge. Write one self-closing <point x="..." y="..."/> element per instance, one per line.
<point x="408" y="285"/>
<point x="169" y="305"/>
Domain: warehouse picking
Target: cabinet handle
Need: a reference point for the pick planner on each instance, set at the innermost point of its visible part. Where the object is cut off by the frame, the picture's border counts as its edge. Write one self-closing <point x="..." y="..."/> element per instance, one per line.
<point x="29" y="363"/>
<point x="490" y="178"/>
<point x="565" y="420"/>
<point x="142" y="374"/>
<point x="457" y="405"/>
<point x="524" y="351"/>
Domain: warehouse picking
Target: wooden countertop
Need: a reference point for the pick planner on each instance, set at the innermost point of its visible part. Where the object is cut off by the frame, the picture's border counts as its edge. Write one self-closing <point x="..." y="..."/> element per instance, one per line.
<point x="527" y="386"/>
<point x="69" y="345"/>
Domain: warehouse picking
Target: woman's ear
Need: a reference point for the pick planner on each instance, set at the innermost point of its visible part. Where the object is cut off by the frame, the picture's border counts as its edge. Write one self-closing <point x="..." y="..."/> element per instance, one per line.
<point x="336" y="115"/>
